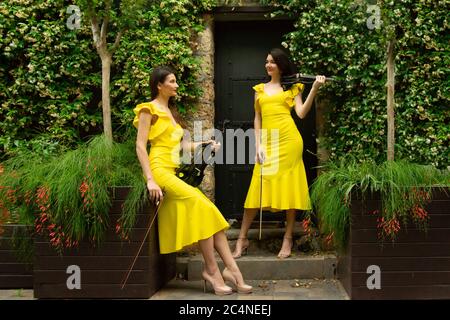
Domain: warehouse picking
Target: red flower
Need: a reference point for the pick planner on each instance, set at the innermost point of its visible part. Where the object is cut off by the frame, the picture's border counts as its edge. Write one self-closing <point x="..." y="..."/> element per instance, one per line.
<point x="329" y="238"/>
<point x="42" y="193"/>
<point x="306" y="224"/>
<point x="388" y="227"/>
<point x="84" y="188"/>
<point x="420" y="213"/>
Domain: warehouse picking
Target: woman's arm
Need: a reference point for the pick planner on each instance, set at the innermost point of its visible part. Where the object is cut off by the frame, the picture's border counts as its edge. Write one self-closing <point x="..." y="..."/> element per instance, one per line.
<point x="189" y="146"/>
<point x="257" y="126"/>
<point x="145" y="120"/>
<point x="302" y="109"/>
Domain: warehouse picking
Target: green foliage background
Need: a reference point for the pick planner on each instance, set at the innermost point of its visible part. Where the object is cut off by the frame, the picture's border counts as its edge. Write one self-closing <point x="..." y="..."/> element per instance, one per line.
<point x="50" y="76"/>
<point x="332" y="38"/>
<point x="50" y="79"/>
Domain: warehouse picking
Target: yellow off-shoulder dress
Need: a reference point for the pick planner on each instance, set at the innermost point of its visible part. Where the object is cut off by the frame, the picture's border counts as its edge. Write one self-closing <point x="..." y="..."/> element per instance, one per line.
<point x="284" y="183"/>
<point x="186" y="215"/>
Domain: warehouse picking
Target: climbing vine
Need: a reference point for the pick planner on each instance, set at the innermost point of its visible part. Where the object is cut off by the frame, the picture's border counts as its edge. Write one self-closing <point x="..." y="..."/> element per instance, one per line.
<point x="342" y="39"/>
<point x="50" y="74"/>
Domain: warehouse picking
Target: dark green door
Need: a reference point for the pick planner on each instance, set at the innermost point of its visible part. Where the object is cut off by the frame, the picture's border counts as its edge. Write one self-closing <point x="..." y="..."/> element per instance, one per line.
<point x="240" y="53"/>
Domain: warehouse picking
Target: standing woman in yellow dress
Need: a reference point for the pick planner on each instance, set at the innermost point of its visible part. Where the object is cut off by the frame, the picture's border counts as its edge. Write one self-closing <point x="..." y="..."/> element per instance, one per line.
<point x="186" y="215"/>
<point x="279" y="148"/>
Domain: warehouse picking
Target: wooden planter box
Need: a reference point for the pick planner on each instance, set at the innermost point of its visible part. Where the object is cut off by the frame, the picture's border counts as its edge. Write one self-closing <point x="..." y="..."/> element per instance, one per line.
<point x="14" y="272"/>
<point x="415" y="266"/>
<point x="103" y="268"/>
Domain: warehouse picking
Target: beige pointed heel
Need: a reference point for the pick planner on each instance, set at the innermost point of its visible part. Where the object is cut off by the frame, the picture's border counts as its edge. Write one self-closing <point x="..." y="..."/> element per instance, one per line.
<point x="228" y="276"/>
<point x="218" y="290"/>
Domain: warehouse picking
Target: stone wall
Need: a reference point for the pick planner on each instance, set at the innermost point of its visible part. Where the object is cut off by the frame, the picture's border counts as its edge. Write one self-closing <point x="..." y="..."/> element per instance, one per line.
<point x="204" y="110"/>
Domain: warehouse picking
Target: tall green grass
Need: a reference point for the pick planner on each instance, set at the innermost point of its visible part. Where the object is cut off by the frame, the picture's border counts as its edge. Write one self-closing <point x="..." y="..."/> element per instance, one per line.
<point x="396" y="182"/>
<point x="98" y="165"/>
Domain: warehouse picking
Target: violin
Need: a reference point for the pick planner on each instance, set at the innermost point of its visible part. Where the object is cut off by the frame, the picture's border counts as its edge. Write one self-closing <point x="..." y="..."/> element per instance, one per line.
<point x="288" y="81"/>
<point x="193" y="172"/>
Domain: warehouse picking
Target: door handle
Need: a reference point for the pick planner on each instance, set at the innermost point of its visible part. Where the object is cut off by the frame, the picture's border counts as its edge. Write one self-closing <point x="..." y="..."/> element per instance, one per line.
<point x="224" y="124"/>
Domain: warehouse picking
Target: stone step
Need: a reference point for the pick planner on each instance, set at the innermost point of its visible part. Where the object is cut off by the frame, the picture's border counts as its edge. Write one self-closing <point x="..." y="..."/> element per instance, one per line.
<point x="266" y="234"/>
<point x="271" y="241"/>
<point x="266" y="266"/>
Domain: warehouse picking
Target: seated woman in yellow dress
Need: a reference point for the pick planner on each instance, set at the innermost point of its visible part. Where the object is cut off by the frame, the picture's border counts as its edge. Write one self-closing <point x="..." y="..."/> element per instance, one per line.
<point x="186" y="215"/>
<point x="279" y="148"/>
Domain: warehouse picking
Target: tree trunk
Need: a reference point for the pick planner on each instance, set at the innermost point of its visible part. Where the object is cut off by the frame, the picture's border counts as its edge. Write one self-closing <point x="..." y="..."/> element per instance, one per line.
<point x="106" y="105"/>
<point x="323" y="154"/>
<point x="390" y="101"/>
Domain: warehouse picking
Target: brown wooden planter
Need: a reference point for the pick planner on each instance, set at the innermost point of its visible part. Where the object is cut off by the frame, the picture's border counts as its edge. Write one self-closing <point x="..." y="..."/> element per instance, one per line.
<point x="14" y="272"/>
<point x="415" y="266"/>
<point x="103" y="268"/>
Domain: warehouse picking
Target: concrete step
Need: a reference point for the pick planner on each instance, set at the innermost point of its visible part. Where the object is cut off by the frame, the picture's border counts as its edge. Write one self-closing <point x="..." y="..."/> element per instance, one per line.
<point x="266" y="234"/>
<point x="271" y="240"/>
<point x="311" y="257"/>
<point x="266" y="266"/>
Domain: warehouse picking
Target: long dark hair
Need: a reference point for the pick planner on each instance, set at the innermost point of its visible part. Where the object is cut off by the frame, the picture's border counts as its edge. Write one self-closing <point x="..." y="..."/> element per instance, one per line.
<point x="283" y="61"/>
<point x="159" y="75"/>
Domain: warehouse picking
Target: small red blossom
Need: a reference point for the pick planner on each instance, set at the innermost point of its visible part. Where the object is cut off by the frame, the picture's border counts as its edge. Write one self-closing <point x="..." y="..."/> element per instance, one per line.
<point x="306" y="224"/>
<point x="329" y="238"/>
<point x="388" y="227"/>
<point x="84" y="188"/>
<point x="420" y="213"/>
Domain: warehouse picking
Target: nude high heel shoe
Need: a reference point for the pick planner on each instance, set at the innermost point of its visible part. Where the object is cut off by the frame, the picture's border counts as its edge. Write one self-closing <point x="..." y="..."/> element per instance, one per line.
<point x="241" y="249"/>
<point x="218" y="290"/>
<point x="228" y="276"/>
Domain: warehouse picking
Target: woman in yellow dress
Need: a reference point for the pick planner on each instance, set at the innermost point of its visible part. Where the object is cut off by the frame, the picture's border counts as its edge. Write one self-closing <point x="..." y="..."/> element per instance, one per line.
<point x="186" y="215"/>
<point x="279" y="148"/>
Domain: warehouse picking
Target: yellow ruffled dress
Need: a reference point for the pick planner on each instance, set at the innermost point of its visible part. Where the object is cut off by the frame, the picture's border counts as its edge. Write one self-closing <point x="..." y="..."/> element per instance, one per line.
<point x="186" y="215"/>
<point x="284" y="183"/>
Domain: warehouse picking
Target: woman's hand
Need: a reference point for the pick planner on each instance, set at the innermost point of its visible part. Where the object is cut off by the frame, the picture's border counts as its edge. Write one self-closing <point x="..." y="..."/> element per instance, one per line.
<point x="320" y="80"/>
<point x="156" y="194"/>
<point x="260" y="156"/>
<point x="215" y="146"/>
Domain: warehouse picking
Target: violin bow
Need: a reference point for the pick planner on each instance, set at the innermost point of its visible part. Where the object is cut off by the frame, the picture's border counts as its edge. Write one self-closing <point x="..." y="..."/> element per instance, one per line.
<point x="260" y="202"/>
<point x="124" y="281"/>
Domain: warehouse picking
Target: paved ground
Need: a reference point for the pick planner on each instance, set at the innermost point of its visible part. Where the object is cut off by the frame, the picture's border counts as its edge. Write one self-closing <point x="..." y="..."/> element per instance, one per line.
<point x="263" y="290"/>
<point x="16" y="294"/>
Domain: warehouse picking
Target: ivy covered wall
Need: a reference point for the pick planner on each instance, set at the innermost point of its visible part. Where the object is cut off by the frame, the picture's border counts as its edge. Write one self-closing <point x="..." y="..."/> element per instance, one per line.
<point x="341" y="38"/>
<point x="50" y="76"/>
